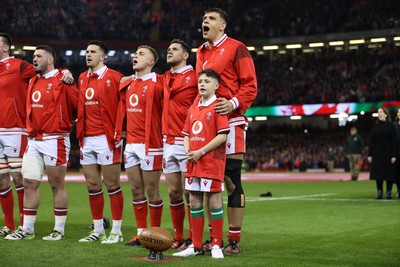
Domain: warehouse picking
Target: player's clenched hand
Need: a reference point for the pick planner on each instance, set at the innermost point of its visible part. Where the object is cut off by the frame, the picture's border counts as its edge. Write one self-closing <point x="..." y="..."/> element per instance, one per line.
<point x="223" y="106"/>
<point x="67" y="78"/>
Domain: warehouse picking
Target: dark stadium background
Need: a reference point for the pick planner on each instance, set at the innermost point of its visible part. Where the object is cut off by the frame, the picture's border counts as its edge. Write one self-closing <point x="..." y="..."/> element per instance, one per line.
<point x="363" y="68"/>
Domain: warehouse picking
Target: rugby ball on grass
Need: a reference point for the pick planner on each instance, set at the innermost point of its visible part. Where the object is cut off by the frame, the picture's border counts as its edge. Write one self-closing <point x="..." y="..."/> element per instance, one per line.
<point x="156" y="239"/>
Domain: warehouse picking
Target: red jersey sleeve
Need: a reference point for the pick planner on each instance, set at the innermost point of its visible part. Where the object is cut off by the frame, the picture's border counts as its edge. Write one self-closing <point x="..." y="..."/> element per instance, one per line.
<point x="26" y="71"/>
<point x="244" y="66"/>
<point x="186" y="127"/>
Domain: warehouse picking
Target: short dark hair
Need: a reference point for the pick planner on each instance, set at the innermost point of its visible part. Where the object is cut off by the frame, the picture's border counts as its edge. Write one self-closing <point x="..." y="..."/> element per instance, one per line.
<point x="48" y="49"/>
<point x="100" y="44"/>
<point x="222" y="13"/>
<point x="211" y="73"/>
<point x="185" y="46"/>
<point x="152" y="51"/>
<point x="7" y="38"/>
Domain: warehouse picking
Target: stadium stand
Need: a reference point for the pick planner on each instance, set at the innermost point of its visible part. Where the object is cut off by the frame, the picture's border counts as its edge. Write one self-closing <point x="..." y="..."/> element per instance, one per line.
<point x="326" y="75"/>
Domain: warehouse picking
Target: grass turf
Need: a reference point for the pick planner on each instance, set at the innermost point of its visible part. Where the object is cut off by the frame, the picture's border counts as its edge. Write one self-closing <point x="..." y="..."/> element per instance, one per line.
<point x="302" y="224"/>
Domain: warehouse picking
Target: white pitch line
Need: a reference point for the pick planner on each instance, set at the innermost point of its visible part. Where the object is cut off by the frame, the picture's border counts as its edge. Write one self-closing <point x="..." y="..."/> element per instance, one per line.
<point x="316" y="197"/>
<point x="254" y="199"/>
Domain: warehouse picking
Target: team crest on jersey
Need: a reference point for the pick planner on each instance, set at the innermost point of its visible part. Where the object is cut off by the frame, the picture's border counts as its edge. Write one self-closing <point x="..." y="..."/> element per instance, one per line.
<point x="49" y="86"/>
<point x="107" y="157"/>
<point x="108" y="82"/>
<point x="209" y="114"/>
<point x="144" y="90"/>
<point x="221" y="52"/>
<point x="228" y="145"/>
<point x="147" y="162"/>
<point x="15" y="150"/>
<point x="8" y="66"/>
<point x="187" y="79"/>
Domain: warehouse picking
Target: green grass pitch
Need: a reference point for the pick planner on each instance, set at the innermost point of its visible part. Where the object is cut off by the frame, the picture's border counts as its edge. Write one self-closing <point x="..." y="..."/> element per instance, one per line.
<point x="302" y="224"/>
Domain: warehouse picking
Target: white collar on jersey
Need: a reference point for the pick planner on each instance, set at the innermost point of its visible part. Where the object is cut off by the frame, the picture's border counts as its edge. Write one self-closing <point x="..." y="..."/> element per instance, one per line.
<point x="151" y="75"/>
<point x="4" y="59"/>
<point x="218" y="42"/>
<point x="49" y="74"/>
<point x="208" y="102"/>
<point x="182" y="70"/>
<point x="100" y="72"/>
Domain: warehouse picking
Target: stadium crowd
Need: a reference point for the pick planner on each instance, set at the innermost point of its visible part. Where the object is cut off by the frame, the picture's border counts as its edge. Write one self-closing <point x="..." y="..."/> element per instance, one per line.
<point x="164" y="20"/>
<point x="329" y="76"/>
<point x="305" y="148"/>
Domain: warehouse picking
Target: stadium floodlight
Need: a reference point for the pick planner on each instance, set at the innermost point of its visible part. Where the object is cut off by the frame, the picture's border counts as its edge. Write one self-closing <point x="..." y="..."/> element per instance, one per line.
<point x="13" y="47"/>
<point x="396" y="38"/>
<point x="270" y="47"/>
<point x="308" y="50"/>
<point x="293" y="46"/>
<point x="375" y="115"/>
<point x="194" y="50"/>
<point x="335" y="43"/>
<point x="357" y="41"/>
<point x="82" y="53"/>
<point x="261" y="118"/>
<point x="250" y="118"/>
<point x="111" y="53"/>
<point x="362" y="112"/>
<point x="29" y="47"/>
<point x="378" y="40"/>
<point x="251" y="48"/>
<point x="316" y="44"/>
<point x="68" y="53"/>
<point x="295" y="117"/>
<point x="126" y="52"/>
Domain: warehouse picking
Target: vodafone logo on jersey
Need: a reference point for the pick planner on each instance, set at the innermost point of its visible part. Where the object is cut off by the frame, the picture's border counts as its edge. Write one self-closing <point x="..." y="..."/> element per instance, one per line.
<point x="134" y="100"/>
<point x="89" y="94"/>
<point x="197" y="127"/>
<point x="36" y="96"/>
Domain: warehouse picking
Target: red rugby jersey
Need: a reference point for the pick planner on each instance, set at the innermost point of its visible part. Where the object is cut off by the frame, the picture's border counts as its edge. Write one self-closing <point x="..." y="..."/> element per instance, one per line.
<point x="50" y="106"/>
<point x="103" y="86"/>
<point x="233" y="61"/>
<point x="202" y="125"/>
<point x="150" y="86"/>
<point x="14" y="77"/>
<point x="180" y="91"/>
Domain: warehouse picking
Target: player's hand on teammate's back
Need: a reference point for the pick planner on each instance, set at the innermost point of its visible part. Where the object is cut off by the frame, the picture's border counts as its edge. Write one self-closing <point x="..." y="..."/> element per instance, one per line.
<point x="224" y="106"/>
